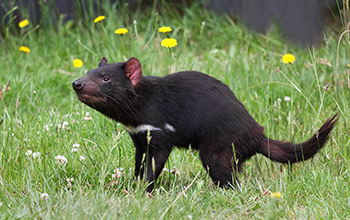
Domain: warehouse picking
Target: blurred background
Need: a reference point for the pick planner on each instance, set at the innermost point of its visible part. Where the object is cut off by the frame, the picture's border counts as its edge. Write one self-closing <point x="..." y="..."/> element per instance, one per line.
<point x="300" y="22"/>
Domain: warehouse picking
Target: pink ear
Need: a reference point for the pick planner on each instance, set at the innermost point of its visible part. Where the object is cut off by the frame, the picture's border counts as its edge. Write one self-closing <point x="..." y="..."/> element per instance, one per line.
<point x="133" y="70"/>
<point x="103" y="62"/>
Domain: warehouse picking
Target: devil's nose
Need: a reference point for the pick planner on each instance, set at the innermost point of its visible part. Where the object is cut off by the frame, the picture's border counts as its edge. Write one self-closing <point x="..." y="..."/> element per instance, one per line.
<point x="77" y="85"/>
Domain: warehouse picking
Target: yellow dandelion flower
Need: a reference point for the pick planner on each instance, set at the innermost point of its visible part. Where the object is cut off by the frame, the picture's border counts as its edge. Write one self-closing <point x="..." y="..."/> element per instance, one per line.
<point x="169" y="42"/>
<point x="275" y="195"/>
<point x="288" y="58"/>
<point x="348" y="65"/>
<point x="77" y="63"/>
<point x="99" y="18"/>
<point x="164" y="29"/>
<point x="24" y="49"/>
<point x="23" y="23"/>
<point x="121" y="31"/>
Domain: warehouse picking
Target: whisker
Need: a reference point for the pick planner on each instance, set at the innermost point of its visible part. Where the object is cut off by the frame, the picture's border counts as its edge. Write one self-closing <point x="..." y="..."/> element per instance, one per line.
<point x="124" y="104"/>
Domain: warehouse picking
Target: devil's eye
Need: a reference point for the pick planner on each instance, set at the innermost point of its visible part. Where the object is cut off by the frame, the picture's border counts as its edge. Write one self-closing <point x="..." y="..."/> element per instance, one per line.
<point x="105" y="79"/>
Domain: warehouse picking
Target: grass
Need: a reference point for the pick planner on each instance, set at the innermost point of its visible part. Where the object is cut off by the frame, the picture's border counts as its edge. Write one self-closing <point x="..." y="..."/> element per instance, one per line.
<point x="40" y="100"/>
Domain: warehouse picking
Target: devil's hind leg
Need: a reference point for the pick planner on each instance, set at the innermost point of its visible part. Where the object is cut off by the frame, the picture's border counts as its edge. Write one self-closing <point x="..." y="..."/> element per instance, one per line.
<point x="220" y="164"/>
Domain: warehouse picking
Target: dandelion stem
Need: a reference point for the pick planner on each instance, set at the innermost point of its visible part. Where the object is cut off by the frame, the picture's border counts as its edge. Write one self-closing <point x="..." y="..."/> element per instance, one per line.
<point x="104" y="29"/>
<point x="167" y="70"/>
<point x="123" y="44"/>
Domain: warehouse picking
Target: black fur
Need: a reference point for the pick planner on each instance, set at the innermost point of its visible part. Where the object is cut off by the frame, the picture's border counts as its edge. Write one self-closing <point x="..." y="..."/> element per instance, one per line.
<point x="183" y="109"/>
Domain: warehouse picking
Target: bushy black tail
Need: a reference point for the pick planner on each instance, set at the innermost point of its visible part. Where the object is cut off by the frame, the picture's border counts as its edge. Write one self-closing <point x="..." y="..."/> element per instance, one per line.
<point x="285" y="152"/>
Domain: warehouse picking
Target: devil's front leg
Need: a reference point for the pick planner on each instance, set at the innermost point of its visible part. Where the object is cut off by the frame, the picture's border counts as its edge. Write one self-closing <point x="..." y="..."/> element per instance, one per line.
<point x="140" y="150"/>
<point x="157" y="151"/>
<point x="155" y="160"/>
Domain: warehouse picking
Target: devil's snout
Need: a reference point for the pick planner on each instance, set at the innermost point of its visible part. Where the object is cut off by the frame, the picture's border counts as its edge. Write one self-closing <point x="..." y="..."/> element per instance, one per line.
<point x="77" y="85"/>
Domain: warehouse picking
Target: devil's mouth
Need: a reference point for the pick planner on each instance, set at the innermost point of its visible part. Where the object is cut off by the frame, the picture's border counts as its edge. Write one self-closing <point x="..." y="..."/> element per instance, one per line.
<point x="83" y="97"/>
<point x="90" y="99"/>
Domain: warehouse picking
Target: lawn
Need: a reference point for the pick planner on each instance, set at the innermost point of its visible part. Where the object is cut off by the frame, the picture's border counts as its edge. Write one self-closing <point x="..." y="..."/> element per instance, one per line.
<point x="43" y="119"/>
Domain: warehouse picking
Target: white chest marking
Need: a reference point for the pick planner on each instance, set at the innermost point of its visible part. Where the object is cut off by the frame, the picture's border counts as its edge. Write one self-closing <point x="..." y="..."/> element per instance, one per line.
<point x="169" y="127"/>
<point x="141" y="128"/>
<point x="147" y="127"/>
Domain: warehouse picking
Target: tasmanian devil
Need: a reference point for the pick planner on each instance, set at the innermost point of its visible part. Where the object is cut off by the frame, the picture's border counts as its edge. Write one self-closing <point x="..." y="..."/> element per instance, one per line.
<point x="185" y="109"/>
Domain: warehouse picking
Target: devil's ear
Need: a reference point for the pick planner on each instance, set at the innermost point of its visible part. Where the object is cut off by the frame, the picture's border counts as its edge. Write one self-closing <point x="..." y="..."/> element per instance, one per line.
<point x="133" y="70"/>
<point x="103" y="62"/>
